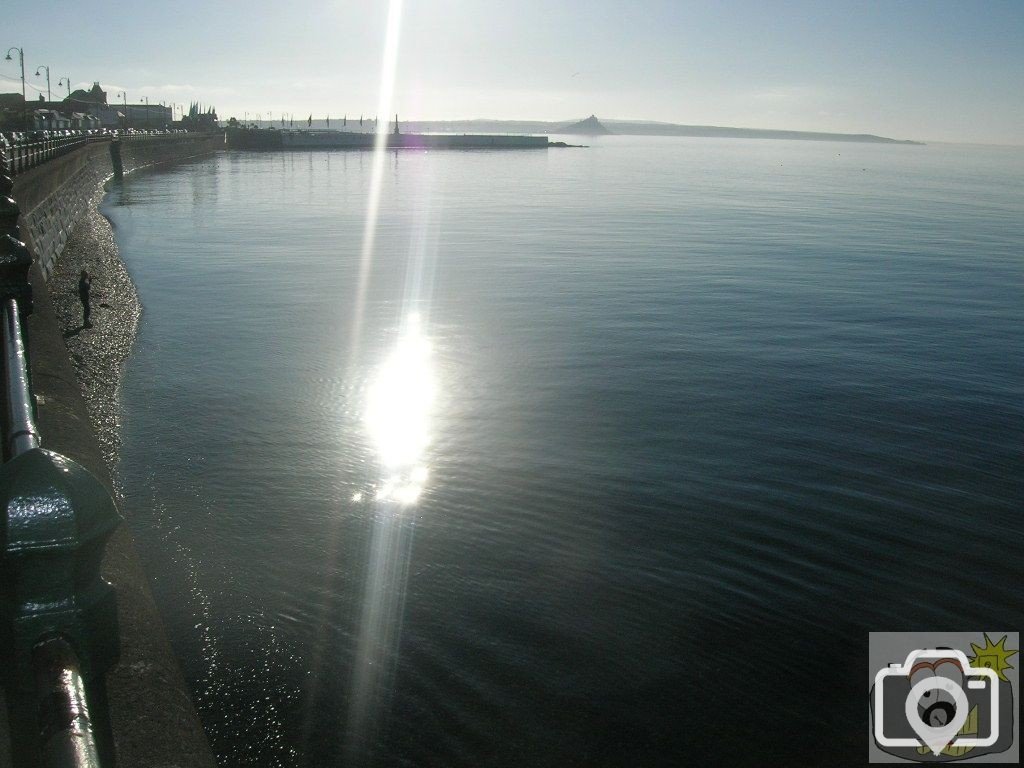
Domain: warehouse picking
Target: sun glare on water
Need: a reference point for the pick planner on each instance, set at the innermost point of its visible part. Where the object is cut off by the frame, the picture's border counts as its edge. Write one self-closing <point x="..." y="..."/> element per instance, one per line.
<point x="397" y="418"/>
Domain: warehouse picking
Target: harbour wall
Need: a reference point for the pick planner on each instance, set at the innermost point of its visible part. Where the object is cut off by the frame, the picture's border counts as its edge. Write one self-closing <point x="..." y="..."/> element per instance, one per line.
<point x="270" y="139"/>
<point x="147" y="708"/>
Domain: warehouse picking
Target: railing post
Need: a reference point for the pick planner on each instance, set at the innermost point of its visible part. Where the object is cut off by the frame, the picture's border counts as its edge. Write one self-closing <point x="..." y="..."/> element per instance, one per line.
<point x="6" y="180"/>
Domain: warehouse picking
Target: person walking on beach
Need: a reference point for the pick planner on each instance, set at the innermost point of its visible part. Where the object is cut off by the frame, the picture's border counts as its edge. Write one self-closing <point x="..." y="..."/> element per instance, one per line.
<point x="84" y="286"/>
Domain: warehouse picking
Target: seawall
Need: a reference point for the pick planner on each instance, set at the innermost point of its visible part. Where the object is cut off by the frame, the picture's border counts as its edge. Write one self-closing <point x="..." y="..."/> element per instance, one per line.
<point x="152" y="719"/>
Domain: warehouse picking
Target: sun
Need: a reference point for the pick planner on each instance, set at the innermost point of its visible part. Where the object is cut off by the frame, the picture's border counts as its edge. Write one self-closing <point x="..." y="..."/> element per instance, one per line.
<point x="994" y="656"/>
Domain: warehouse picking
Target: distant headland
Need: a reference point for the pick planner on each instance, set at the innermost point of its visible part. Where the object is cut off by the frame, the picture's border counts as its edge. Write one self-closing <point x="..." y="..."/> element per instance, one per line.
<point x="592" y="126"/>
<point x="589" y="127"/>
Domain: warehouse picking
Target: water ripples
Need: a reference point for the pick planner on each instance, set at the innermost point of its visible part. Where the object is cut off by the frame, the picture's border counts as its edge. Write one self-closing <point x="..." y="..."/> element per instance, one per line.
<point x="706" y="413"/>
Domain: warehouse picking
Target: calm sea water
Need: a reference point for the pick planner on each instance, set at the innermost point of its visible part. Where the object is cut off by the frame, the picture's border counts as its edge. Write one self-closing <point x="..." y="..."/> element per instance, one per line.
<point x="606" y="456"/>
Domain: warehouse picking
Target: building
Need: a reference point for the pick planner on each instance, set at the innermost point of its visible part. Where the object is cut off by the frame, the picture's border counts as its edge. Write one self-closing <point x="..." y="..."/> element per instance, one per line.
<point x="94" y="95"/>
<point x="82" y="109"/>
<point x="83" y="121"/>
<point x="49" y="120"/>
<point x="147" y="115"/>
<point x="94" y="102"/>
<point x="108" y="116"/>
<point x="200" y="118"/>
<point x="12" y="112"/>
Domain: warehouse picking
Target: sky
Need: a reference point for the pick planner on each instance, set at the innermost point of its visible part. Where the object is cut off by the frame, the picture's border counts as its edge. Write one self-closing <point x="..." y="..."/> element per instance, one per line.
<point x="934" y="71"/>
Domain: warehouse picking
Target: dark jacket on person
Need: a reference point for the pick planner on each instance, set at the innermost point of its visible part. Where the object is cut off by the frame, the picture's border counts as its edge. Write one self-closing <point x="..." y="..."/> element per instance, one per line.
<point x="84" y="286"/>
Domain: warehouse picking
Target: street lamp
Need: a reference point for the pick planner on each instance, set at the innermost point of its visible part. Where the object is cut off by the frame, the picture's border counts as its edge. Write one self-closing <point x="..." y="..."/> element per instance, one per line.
<point x="43" y="66"/>
<point x="124" y="96"/>
<point x="66" y="80"/>
<point x="24" y="102"/>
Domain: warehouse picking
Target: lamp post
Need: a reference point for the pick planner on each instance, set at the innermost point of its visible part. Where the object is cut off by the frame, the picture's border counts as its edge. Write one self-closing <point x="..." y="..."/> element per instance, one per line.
<point x="43" y="66"/>
<point x="71" y="110"/>
<point x="124" y="96"/>
<point x="66" y="81"/>
<point x="24" y="102"/>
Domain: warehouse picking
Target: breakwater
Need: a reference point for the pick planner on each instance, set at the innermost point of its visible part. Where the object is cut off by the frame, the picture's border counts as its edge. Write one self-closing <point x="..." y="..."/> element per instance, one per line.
<point x="272" y="138"/>
<point x="142" y="706"/>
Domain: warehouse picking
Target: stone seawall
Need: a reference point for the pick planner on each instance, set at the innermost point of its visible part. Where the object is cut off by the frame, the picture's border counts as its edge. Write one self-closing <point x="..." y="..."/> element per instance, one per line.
<point x="150" y="716"/>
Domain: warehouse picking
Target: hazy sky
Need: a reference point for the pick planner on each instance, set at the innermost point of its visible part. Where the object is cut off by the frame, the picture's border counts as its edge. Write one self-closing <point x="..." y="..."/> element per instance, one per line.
<point x="934" y="70"/>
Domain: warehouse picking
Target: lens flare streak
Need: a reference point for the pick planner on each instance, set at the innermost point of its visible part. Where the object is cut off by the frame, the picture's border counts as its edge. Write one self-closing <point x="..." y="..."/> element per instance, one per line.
<point x="384" y="102"/>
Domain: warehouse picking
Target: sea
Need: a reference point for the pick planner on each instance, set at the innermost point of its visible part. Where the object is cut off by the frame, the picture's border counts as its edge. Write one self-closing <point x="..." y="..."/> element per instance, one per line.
<point x="599" y="456"/>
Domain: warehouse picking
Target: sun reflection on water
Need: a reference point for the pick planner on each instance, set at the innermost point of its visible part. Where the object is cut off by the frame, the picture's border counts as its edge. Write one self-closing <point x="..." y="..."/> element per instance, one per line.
<point x="399" y="404"/>
<point x="397" y="418"/>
